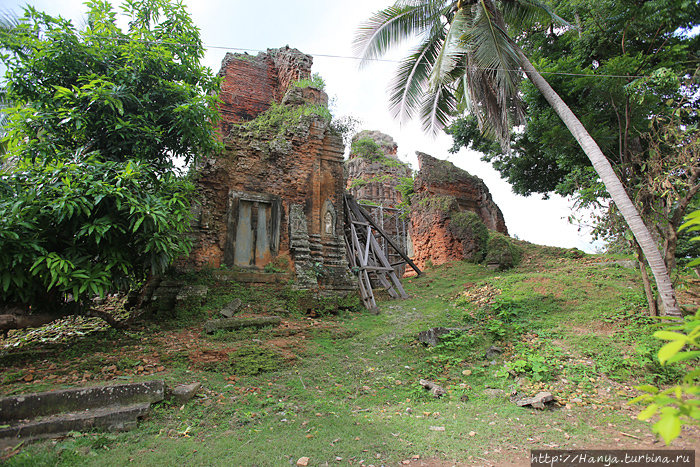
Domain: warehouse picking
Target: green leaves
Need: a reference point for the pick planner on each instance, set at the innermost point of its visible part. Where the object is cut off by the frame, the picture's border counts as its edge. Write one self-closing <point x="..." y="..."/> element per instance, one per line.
<point x="92" y="205"/>
<point x="678" y="404"/>
<point x="87" y="228"/>
<point x="136" y="94"/>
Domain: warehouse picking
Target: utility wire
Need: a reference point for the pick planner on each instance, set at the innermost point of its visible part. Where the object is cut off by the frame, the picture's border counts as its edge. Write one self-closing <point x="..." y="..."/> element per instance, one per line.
<point x="345" y="57"/>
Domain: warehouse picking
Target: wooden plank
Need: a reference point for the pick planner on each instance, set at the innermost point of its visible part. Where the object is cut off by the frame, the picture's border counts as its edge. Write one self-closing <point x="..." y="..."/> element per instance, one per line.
<point x="387" y="285"/>
<point x="368" y="218"/>
<point x="369" y="240"/>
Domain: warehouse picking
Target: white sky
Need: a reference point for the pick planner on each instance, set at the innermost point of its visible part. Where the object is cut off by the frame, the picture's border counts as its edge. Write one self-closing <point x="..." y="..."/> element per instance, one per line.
<point x="323" y="28"/>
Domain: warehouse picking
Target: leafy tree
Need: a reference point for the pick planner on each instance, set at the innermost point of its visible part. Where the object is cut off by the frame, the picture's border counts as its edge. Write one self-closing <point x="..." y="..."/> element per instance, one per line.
<point x="92" y="203"/>
<point x="628" y="68"/>
<point x="467" y="60"/>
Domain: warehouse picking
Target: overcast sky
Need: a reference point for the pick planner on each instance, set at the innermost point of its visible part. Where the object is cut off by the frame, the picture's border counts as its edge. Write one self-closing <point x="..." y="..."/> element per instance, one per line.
<point x="325" y="30"/>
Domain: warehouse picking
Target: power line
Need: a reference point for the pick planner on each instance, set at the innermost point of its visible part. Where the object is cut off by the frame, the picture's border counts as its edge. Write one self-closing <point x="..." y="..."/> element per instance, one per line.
<point x="346" y="57"/>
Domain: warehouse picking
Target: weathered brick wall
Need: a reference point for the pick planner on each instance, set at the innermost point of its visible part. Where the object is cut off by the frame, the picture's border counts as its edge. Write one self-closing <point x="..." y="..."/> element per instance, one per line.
<point x="281" y="172"/>
<point x="251" y="83"/>
<point x="441" y="189"/>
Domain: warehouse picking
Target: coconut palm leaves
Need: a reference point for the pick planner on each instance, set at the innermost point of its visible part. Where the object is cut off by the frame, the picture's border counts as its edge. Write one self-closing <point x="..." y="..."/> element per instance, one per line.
<point x="465" y="60"/>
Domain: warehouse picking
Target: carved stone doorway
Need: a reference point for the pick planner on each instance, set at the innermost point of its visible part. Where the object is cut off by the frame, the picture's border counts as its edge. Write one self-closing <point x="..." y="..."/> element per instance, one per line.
<point x="253" y="222"/>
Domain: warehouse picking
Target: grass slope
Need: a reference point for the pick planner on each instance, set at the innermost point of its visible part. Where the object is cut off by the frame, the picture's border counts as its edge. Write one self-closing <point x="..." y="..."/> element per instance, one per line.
<point x="343" y="390"/>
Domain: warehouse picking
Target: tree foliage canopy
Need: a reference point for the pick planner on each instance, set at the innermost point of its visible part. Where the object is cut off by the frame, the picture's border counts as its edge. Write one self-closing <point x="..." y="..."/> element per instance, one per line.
<point x="90" y="201"/>
<point x="139" y="94"/>
<point x="617" y="65"/>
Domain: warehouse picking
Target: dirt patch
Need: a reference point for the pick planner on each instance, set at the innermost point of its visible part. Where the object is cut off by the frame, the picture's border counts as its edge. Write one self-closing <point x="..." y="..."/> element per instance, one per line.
<point x="97" y="355"/>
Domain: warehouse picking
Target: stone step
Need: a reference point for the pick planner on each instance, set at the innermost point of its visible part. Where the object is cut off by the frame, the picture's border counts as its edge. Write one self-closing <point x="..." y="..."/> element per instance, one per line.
<point x="43" y="404"/>
<point x="253" y="277"/>
<point x="55" y="413"/>
<point x="112" y="418"/>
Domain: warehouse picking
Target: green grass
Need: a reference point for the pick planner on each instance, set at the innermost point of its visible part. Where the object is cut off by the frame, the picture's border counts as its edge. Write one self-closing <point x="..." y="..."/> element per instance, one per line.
<point x="351" y="390"/>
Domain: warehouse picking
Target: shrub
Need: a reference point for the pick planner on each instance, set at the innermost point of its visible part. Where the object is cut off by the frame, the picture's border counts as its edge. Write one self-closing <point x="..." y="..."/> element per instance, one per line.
<point x="366" y="148"/>
<point x="503" y="251"/>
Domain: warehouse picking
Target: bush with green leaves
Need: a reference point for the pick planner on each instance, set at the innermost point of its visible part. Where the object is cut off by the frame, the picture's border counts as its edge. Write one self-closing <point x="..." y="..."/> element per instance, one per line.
<point x="366" y="148"/>
<point x="91" y="202"/>
<point x="503" y="251"/>
<point x="76" y="229"/>
<point x="680" y="403"/>
<point x="316" y="81"/>
<point x="468" y="226"/>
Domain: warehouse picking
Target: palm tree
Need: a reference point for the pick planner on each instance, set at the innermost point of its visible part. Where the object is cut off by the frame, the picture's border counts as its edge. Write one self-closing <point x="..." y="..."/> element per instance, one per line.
<point x="467" y="62"/>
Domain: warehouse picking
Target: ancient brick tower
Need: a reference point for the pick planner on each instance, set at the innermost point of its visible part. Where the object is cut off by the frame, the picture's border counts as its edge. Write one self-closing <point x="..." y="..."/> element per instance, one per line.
<point x="441" y="192"/>
<point x="373" y="179"/>
<point x="274" y="196"/>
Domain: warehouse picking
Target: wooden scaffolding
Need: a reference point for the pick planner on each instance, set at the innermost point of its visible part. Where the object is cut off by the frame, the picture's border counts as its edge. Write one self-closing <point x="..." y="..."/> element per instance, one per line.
<point x="368" y="259"/>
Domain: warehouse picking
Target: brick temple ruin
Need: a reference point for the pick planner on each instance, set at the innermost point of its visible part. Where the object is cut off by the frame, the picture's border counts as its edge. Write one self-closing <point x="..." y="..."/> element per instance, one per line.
<point x="440" y="191"/>
<point x="374" y="180"/>
<point x="274" y="196"/>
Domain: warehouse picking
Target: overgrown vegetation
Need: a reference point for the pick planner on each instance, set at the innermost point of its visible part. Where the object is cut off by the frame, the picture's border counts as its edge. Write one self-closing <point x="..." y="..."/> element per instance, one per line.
<point x="91" y="202"/>
<point x="469" y="225"/>
<point x="316" y="81"/>
<point x="503" y="251"/>
<point x="366" y="148"/>
<point x="280" y="119"/>
<point x="564" y="323"/>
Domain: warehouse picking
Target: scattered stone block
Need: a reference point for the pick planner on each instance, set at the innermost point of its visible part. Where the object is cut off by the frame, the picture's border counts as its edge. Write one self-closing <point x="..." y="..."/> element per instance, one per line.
<point x="187" y="291"/>
<point x="231" y="309"/>
<point x="436" y="390"/>
<point x="493" y="352"/>
<point x="431" y="337"/>
<point x="536" y="402"/>
<point x="182" y="393"/>
<point x="494" y="392"/>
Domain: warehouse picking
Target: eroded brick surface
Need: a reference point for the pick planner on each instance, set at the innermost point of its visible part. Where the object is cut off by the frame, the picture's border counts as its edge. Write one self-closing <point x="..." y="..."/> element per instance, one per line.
<point x="375" y="180"/>
<point x="266" y="172"/>
<point x="442" y="189"/>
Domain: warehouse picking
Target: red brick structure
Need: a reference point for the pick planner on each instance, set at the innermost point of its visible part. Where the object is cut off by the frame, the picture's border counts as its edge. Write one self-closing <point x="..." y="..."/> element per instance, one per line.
<point x="274" y="195"/>
<point x="441" y="191"/>
<point x="375" y="179"/>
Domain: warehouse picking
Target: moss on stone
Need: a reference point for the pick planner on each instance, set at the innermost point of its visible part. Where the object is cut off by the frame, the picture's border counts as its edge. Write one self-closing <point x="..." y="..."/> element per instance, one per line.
<point x="442" y="204"/>
<point x="468" y="226"/>
<point x="502" y="251"/>
<point x="439" y="172"/>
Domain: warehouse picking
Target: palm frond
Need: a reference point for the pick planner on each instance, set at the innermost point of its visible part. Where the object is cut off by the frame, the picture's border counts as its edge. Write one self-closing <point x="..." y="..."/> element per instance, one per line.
<point x="437" y="108"/>
<point x="452" y="48"/>
<point x="390" y="27"/>
<point x="408" y="86"/>
<point x="521" y="14"/>
<point x="492" y="73"/>
<point x="8" y="20"/>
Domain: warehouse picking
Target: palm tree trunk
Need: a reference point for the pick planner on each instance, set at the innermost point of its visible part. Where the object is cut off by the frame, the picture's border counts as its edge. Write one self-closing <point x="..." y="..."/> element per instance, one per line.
<point x="612" y="184"/>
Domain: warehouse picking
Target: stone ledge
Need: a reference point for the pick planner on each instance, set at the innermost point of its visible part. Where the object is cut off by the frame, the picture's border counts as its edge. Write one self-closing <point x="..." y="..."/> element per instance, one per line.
<point x="253" y="277"/>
